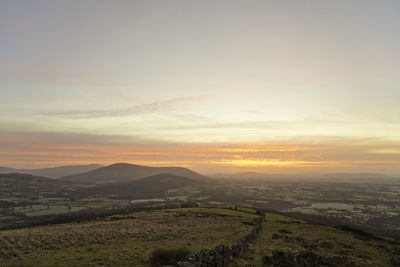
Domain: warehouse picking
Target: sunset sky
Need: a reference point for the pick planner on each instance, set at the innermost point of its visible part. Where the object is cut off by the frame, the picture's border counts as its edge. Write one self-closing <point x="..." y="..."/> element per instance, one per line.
<point x="216" y="86"/>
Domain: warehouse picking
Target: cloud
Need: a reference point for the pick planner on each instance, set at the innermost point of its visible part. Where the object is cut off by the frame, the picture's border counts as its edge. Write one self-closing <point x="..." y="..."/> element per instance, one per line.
<point x="387" y="151"/>
<point x="50" y="149"/>
<point x="45" y="139"/>
<point x="153" y="107"/>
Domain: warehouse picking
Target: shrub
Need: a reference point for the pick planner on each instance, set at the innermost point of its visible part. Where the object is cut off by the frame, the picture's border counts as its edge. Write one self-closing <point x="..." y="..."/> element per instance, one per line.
<point x="395" y="262"/>
<point x="267" y="260"/>
<point x="189" y="205"/>
<point x="283" y="259"/>
<point x="276" y="236"/>
<point x="259" y="212"/>
<point x="164" y="256"/>
<point x="284" y="231"/>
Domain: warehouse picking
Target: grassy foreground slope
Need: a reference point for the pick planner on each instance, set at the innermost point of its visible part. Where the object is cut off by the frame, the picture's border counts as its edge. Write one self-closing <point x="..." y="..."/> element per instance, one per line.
<point x="128" y="240"/>
<point x="290" y="242"/>
<point x="122" y="240"/>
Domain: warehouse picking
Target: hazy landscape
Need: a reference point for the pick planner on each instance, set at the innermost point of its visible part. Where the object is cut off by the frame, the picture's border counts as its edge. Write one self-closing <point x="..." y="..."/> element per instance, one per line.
<point x="144" y="208"/>
<point x="369" y="201"/>
<point x="199" y="133"/>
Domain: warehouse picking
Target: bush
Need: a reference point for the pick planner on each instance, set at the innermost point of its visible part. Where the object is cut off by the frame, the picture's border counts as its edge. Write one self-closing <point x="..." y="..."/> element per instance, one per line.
<point x="267" y="260"/>
<point x="259" y="212"/>
<point x="283" y="259"/>
<point x="189" y="205"/>
<point x="395" y="262"/>
<point x="164" y="256"/>
<point x="284" y="231"/>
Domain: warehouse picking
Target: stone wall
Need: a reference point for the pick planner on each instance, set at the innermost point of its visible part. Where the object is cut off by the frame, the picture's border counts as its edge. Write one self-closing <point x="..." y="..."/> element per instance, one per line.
<point x="221" y="254"/>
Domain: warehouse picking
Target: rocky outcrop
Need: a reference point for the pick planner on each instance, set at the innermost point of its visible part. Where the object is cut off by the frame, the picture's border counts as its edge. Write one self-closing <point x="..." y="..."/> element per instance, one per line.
<point x="221" y="255"/>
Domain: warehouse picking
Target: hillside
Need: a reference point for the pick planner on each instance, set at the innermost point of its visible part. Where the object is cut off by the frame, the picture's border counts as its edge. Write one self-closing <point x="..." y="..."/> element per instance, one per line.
<point x="153" y="186"/>
<point x="8" y="170"/>
<point x="55" y="172"/>
<point x="123" y="172"/>
<point x="30" y="200"/>
<point x="128" y="240"/>
<point x="289" y="242"/>
<point x="121" y="240"/>
<point x="16" y="184"/>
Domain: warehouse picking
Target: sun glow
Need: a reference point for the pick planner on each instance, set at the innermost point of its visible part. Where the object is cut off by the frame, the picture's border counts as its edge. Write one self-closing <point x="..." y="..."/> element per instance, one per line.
<point x="275" y="148"/>
<point x="36" y="150"/>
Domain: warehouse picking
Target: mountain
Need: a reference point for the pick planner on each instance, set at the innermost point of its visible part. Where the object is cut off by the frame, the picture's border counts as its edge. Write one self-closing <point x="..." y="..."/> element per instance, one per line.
<point x="8" y="170"/>
<point x="153" y="186"/>
<point x="55" y="172"/>
<point x="123" y="172"/>
<point x="26" y="185"/>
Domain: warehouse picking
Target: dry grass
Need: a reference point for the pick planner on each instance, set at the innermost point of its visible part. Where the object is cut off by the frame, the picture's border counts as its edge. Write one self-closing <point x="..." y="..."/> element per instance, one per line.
<point x="119" y="240"/>
<point x="294" y="237"/>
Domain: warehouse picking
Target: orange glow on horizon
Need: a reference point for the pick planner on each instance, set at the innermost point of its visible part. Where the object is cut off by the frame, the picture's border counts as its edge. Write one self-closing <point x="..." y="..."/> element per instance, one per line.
<point x="282" y="148"/>
<point x="294" y="163"/>
<point x="179" y="155"/>
<point x="35" y="151"/>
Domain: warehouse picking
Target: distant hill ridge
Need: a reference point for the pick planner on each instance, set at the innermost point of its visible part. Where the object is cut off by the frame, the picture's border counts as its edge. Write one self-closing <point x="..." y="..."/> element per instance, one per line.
<point x="123" y="172"/>
<point x="27" y="184"/>
<point x="148" y="187"/>
<point x="23" y="177"/>
<point x="152" y="186"/>
<point x="55" y="172"/>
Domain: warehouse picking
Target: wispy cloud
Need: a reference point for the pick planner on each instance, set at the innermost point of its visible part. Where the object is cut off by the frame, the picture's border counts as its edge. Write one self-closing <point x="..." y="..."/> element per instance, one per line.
<point x="153" y="107"/>
<point x="387" y="151"/>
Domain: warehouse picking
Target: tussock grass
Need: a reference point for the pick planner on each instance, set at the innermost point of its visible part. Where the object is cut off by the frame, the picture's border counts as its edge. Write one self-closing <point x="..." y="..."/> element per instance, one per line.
<point x="128" y="241"/>
<point x="284" y="239"/>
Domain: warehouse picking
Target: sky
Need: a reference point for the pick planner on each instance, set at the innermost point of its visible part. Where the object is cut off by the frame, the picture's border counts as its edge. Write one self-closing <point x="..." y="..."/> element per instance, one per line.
<point x="216" y="86"/>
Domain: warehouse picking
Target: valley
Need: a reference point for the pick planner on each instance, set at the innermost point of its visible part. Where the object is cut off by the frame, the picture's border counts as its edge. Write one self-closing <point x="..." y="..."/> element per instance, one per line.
<point x="370" y="202"/>
<point x="133" y="211"/>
